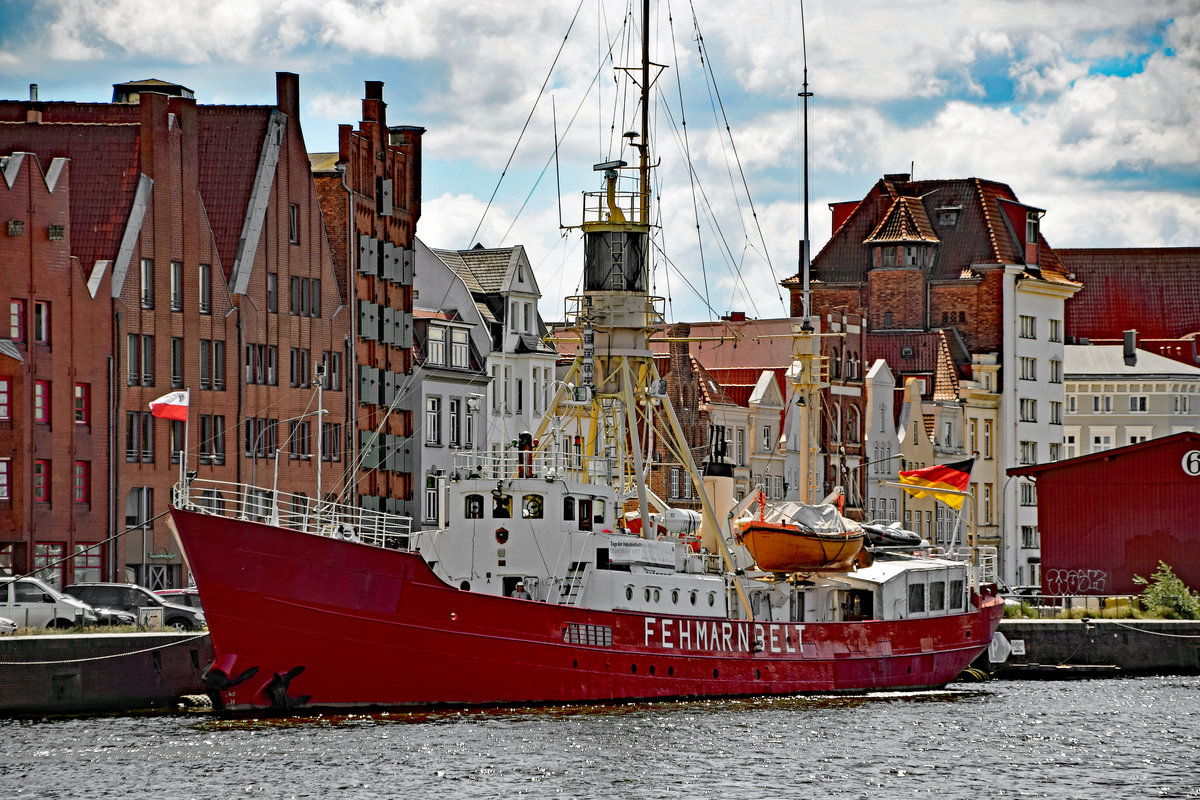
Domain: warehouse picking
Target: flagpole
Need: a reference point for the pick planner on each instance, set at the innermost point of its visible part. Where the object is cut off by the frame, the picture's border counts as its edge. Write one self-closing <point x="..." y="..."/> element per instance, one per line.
<point x="187" y="418"/>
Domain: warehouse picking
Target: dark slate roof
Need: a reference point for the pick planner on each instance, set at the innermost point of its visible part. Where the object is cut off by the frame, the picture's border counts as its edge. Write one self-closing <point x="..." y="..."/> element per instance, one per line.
<point x="104" y="170"/>
<point x="1153" y="290"/>
<point x="905" y="222"/>
<point x="230" y="140"/>
<point x="528" y="343"/>
<point x="486" y="266"/>
<point x="930" y="355"/>
<point x="980" y="236"/>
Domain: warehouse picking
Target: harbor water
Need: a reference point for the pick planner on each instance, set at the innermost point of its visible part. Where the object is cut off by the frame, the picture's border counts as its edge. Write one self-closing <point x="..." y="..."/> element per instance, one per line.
<point x="1121" y="737"/>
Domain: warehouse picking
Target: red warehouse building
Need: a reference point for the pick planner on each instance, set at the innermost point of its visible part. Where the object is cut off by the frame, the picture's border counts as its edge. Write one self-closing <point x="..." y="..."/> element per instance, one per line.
<point x="1108" y="516"/>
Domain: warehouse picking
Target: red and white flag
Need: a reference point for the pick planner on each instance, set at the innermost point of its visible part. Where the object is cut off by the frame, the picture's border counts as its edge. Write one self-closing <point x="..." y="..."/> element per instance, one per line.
<point x="171" y="406"/>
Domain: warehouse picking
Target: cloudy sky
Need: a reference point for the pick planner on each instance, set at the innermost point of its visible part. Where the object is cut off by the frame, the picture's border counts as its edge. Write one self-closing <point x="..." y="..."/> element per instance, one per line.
<point x="1087" y="108"/>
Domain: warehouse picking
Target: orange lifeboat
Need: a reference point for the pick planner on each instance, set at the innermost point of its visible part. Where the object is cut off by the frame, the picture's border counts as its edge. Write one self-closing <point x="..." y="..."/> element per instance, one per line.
<point x="810" y="538"/>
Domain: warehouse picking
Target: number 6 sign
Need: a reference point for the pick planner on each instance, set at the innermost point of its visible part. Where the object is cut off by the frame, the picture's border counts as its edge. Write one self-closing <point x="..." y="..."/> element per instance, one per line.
<point x="1191" y="462"/>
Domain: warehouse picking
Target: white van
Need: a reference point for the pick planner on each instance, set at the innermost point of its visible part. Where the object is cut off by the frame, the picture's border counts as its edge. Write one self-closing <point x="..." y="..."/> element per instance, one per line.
<point x="33" y="604"/>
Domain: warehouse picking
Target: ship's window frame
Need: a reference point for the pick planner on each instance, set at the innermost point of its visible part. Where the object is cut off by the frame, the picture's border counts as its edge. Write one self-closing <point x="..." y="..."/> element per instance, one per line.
<point x="937" y="595"/>
<point x="532" y="506"/>
<point x="585" y="513"/>
<point x="501" y="506"/>
<point x="597" y="510"/>
<point x="916" y="598"/>
<point x="473" y="506"/>
<point x="568" y="508"/>
<point x="956" y="594"/>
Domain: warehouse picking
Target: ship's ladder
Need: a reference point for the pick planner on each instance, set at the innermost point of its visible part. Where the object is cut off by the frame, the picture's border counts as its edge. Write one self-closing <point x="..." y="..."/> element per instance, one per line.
<point x="570" y="590"/>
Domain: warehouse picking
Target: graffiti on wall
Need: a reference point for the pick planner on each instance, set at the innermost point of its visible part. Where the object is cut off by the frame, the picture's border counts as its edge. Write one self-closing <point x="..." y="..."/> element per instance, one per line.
<point x="1075" y="581"/>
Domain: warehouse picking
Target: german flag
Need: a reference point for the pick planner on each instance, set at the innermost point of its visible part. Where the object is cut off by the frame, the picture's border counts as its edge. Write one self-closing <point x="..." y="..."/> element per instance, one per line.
<point x="926" y="482"/>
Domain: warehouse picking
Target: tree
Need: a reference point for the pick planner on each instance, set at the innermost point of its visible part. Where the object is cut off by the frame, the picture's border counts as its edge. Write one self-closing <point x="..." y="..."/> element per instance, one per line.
<point x="1168" y="595"/>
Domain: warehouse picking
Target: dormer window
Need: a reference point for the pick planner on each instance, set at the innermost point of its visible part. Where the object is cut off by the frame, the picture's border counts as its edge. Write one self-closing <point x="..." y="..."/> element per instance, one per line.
<point x="947" y="216"/>
<point x="1031" y="237"/>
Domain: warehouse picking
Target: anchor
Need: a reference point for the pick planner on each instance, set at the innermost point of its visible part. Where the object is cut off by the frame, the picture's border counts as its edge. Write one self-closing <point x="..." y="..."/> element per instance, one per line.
<point x="216" y="682"/>
<point x="277" y="690"/>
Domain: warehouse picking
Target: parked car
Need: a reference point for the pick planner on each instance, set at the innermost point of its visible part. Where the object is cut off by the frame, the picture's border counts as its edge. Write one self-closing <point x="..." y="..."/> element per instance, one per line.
<point x="32" y="603"/>
<point x="7" y="625"/>
<point x="185" y="597"/>
<point x="129" y="598"/>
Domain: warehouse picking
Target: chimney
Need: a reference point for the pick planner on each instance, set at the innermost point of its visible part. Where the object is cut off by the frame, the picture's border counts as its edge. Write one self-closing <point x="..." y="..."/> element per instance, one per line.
<point x="1130" y="350"/>
<point x="33" y="93"/>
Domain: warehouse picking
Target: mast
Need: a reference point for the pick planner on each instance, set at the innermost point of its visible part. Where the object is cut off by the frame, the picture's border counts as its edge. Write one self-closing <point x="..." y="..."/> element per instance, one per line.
<point x="606" y="398"/>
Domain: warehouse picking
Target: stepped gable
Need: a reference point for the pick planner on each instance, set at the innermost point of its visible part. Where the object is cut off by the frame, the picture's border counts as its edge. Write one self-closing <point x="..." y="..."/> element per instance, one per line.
<point x="229" y="141"/>
<point x="1153" y="290"/>
<point x="104" y="168"/>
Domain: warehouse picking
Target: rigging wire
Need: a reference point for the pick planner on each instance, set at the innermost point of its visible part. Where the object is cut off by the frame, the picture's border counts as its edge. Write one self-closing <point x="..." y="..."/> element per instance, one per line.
<point x="521" y="135"/>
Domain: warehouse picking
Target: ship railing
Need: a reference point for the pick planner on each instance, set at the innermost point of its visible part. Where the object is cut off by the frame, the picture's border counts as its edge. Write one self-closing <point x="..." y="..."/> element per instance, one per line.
<point x="982" y="561"/>
<point x="294" y="511"/>
<point x="578" y="310"/>
<point x="545" y="464"/>
<point x="597" y="207"/>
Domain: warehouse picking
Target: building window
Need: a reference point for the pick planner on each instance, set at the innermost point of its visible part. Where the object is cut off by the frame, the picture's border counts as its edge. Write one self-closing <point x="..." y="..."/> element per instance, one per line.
<point x="1101" y="442"/>
<point x="139" y="436"/>
<point x="147" y="283"/>
<point x="314" y="297"/>
<point x="1028" y="327"/>
<point x="177" y="286"/>
<point x="272" y="292"/>
<point x="1029" y="537"/>
<point x="455" y="417"/>
<point x="520" y="395"/>
<point x="1028" y="368"/>
<point x="469" y="433"/>
<point x="1070" y="445"/>
<point x="1056" y="371"/>
<point x="81" y="480"/>
<point x="333" y="370"/>
<point x="433" y="420"/>
<point x="205" y="289"/>
<point x="331" y="441"/>
<point x="436" y="345"/>
<point x="1028" y="452"/>
<point x="41" y="402"/>
<point x="41" y="322"/>
<point x="294" y="223"/>
<point x="48" y="560"/>
<point x="458" y="348"/>
<point x="1055" y="451"/>
<point x="739" y="438"/>
<point x="16" y="320"/>
<point x="431" y="498"/>
<point x="1139" y="404"/>
<point x="300" y="371"/>
<point x="177" y="363"/>
<point x="83" y="404"/>
<point x="766" y="436"/>
<point x="987" y="438"/>
<point x="41" y="481"/>
<point x="5" y="479"/>
<point x="1028" y="410"/>
<point x="987" y="504"/>
<point x="1056" y="330"/>
<point x="5" y="399"/>
<point x="674" y="482"/>
<point x="1056" y="413"/>
<point x="298" y="441"/>
<point x="139" y="506"/>
<point x="1028" y="494"/>
<point x="86" y="562"/>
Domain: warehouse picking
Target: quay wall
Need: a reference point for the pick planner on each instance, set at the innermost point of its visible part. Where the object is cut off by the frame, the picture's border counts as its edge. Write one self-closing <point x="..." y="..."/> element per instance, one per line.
<point x="1058" y="647"/>
<point x="82" y="672"/>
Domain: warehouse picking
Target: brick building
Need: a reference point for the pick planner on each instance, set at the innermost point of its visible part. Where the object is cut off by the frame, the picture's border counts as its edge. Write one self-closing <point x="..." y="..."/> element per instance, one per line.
<point x="188" y="241"/>
<point x="968" y="257"/>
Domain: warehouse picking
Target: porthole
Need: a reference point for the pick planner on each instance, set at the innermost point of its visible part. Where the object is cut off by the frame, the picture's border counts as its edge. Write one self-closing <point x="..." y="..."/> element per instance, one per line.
<point x="465" y="586"/>
<point x="674" y="596"/>
<point x="633" y="669"/>
<point x="575" y="663"/>
<point x="693" y="597"/>
<point x="670" y="672"/>
<point x="656" y="595"/>
<point x="647" y="594"/>
<point x="758" y="674"/>
<point x="712" y="598"/>
<point x="716" y="674"/>
<point x="628" y="592"/>
<point x="651" y="669"/>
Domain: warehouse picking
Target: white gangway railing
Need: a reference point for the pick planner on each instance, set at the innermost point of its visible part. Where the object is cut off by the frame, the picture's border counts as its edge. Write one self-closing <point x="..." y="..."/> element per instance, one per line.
<point x="294" y="511"/>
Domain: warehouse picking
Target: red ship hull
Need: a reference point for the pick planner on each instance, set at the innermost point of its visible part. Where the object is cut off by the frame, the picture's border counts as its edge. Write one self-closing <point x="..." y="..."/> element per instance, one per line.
<point x="305" y="621"/>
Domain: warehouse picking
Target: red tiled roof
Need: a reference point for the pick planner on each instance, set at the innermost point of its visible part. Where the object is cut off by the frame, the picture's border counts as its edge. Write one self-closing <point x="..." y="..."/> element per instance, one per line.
<point x="1153" y="290"/>
<point x="980" y="234"/>
<point x="906" y="221"/>
<point x="104" y="172"/>
<point x="929" y="355"/>
<point x="230" y="139"/>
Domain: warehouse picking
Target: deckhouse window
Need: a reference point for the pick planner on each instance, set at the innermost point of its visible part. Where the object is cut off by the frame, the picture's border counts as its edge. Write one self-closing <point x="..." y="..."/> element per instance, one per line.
<point x="568" y="508"/>
<point x="501" y="506"/>
<point x="474" y="506"/>
<point x="916" y="598"/>
<point x="531" y="506"/>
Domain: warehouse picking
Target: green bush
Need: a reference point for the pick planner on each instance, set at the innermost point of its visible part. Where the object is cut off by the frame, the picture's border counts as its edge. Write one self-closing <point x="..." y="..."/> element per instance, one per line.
<point x="1166" y="595"/>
